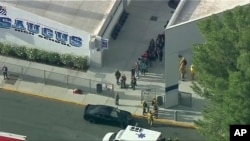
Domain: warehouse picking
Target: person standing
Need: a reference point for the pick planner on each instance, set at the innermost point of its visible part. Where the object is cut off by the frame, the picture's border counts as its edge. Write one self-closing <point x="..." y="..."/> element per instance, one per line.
<point x="5" y="72"/>
<point x="117" y="75"/>
<point x="160" y="55"/>
<point x="156" y="109"/>
<point x="154" y="102"/>
<point x="133" y="83"/>
<point x="123" y="81"/>
<point x="117" y="97"/>
<point x="182" y="68"/>
<point x="132" y="72"/>
<point x="192" y="72"/>
<point x="150" y="118"/>
<point x="137" y="70"/>
<point x="143" y="68"/>
<point x="144" y="107"/>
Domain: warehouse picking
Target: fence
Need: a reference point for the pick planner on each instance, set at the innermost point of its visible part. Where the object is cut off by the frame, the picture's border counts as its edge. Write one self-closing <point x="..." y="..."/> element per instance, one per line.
<point x="148" y="94"/>
<point x="58" y="79"/>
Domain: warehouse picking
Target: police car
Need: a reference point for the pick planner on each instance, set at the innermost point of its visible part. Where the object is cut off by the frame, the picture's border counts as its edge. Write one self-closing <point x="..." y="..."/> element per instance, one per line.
<point x="134" y="133"/>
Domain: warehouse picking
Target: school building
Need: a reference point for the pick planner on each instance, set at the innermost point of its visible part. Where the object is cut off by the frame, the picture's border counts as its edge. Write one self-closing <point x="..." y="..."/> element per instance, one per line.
<point x="182" y="33"/>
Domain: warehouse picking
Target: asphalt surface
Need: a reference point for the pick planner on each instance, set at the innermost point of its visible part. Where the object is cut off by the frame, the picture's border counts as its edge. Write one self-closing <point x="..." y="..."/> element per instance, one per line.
<point x="48" y="120"/>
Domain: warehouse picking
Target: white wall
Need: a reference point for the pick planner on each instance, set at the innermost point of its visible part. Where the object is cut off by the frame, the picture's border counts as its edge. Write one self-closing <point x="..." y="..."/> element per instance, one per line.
<point x="48" y="26"/>
<point x="111" y="20"/>
<point x="179" y="41"/>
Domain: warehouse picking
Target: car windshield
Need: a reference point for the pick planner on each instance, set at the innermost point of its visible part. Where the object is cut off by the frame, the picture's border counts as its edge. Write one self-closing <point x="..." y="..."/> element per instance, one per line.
<point x="117" y="110"/>
<point x="112" y="138"/>
<point x="114" y="114"/>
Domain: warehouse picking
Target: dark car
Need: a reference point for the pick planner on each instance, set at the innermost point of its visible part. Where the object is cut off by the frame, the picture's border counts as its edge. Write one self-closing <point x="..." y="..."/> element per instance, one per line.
<point x="107" y="115"/>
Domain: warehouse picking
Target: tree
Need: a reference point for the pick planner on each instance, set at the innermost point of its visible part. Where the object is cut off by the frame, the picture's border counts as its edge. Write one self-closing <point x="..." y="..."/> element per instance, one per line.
<point x="222" y="65"/>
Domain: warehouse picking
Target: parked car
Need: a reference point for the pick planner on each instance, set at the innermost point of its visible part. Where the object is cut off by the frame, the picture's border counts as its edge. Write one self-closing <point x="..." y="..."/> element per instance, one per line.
<point x="107" y="115"/>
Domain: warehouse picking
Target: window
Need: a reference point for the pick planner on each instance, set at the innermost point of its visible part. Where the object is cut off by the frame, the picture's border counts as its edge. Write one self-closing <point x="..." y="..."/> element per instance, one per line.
<point x="114" y="114"/>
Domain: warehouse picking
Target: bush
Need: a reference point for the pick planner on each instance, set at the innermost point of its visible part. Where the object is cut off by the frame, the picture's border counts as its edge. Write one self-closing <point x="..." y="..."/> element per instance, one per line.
<point x="81" y="62"/>
<point x="42" y="56"/>
<point x="54" y="58"/>
<point x="20" y="52"/>
<point x="67" y="60"/>
<point x="32" y="54"/>
<point x="1" y="46"/>
<point x="7" y="49"/>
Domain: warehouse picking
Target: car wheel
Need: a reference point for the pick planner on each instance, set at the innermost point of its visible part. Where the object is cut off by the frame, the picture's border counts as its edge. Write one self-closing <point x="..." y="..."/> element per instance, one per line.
<point x="92" y="121"/>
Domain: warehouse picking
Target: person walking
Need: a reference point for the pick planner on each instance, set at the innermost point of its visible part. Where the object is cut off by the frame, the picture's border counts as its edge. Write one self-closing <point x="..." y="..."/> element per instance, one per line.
<point x="144" y="107"/>
<point x="117" y="97"/>
<point x="5" y="72"/>
<point x="192" y="72"/>
<point x="117" y="76"/>
<point x="150" y="118"/>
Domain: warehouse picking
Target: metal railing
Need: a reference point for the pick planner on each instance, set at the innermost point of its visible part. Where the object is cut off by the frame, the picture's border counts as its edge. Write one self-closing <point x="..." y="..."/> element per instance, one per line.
<point x="48" y="77"/>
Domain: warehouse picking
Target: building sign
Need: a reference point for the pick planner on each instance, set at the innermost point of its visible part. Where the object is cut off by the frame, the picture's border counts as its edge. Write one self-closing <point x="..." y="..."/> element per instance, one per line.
<point x="104" y="43"/>
<point x="21" y="27"/>
<point x="45" y="32"/>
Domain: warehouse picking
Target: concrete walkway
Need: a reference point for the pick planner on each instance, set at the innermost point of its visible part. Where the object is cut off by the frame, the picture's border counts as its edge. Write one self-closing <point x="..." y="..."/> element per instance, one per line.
<point x="57" y="83"/>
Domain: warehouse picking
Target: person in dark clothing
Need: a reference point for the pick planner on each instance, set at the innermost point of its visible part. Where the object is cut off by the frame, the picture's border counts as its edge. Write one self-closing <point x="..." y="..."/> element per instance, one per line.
<point x="160" y="55"/>
<point x="133" y="82"/>
<point x="145" y="107"/>
<point x="123" y="81"/>
<point x="5" y="72"/>
<point x="117" y="97"/>
<point x="117" y="76"/>
<point x="132" y="72"/>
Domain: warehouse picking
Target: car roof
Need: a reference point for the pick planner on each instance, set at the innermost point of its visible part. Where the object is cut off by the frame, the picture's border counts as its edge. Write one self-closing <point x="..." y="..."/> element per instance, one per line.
<point x="100" y="109"/>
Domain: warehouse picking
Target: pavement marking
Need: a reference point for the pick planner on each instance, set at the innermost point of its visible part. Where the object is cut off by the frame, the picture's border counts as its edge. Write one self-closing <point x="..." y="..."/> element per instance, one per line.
<point x="162" y="121"/>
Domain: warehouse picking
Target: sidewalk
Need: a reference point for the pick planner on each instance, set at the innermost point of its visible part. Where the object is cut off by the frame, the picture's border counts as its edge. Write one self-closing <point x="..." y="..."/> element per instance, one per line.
<point x="132" y="41"/>
<point x="129" y="100"/>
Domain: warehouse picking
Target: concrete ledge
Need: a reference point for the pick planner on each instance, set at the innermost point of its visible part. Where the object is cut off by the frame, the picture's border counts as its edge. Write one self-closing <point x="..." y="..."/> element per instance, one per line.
<point x="162" y="121"/>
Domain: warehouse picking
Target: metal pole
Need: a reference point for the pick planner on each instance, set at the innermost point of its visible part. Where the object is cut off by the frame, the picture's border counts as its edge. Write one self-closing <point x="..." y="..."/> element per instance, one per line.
<point x="90" y="85"/>
<point x="175" y="115"/>
<point x="67" y="81"/>
<point x="44" y="76"/>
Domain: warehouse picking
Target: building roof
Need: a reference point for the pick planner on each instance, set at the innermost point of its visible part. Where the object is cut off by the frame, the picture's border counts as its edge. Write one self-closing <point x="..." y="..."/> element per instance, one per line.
<point x="196" y="9"/>
<point x="87" y="15"/>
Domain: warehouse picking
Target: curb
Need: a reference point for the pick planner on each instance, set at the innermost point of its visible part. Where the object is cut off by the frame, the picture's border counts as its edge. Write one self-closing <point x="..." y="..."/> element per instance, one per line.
<point x="7" y="88"/>
<point x="162" y="121"/>
<point x="169" y="122"/>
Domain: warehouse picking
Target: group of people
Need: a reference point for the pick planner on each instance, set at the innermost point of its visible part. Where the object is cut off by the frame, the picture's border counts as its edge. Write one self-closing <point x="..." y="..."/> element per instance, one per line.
<point x="121" y="79"/>
<point x="151" y="114"/>
<point x="154" y="52"/>
<point x="182" y="69"/>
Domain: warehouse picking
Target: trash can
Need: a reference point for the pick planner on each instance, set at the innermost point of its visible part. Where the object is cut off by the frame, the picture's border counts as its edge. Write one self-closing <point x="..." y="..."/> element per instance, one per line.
<point x="99" y="88"/>
<point x="159" y="100"/>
